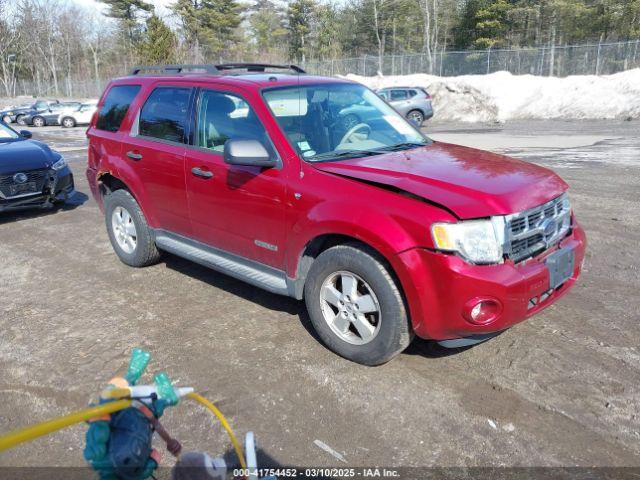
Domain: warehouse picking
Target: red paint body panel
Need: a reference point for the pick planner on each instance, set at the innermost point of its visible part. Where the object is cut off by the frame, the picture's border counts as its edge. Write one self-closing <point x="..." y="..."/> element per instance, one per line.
<point x="386" y="201"/>
<point x="470" y="182"/>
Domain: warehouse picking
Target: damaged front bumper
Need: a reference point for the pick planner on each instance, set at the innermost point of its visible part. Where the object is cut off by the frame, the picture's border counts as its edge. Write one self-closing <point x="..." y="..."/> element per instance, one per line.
<point x="58" y="188"/>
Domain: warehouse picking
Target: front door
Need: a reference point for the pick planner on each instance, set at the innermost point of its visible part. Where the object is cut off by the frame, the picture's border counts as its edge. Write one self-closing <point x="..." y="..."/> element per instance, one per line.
<point x="238" y="209"/>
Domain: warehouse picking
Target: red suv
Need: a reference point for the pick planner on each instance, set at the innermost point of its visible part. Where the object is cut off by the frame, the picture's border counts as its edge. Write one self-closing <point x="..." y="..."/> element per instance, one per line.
<point x="253" y="170"/>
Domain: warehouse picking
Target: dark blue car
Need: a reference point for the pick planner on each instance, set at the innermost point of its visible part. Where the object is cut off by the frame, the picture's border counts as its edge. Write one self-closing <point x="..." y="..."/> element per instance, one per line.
<point x="31" y="174"/>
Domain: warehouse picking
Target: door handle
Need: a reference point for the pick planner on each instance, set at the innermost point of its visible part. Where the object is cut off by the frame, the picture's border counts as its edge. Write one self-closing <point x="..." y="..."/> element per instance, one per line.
<point x="198" y="172"/>
<point x="134" y="155"/>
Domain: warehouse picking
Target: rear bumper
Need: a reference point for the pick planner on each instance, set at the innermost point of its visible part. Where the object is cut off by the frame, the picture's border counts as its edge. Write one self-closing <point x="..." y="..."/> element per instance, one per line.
<point x="441" y="287"/>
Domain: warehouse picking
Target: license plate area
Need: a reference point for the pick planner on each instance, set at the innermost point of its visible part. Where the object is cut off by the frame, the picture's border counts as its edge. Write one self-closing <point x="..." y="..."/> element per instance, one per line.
<point x="561" y="265"/>
<point x="22" y="188"/>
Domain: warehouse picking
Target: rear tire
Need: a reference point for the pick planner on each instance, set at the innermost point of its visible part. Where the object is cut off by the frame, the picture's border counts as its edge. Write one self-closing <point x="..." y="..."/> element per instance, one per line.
<point x="38" y="122"/>
<point x="68" y="122"/>
<point x="373" y="305"/>
<point x="416" y="116"/>
<point x="129" y="233"/>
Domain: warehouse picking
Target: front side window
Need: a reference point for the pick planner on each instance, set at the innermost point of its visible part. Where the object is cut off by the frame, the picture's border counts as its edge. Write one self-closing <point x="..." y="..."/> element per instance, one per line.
<point x="342" y="120"/>
<point x="115" y="107"/>
<point x="223" y="116"/>
<point x="164" y="114"/>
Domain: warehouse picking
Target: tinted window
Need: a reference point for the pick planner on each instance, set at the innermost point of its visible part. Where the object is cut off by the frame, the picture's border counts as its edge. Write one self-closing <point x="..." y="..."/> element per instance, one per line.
<point x="222" y="116"/>
<point x="164" y="114"/>
<point x="412" y="93"/>
<point x="115" y="107"/>
<point x="398" y="94"/>
<point x="41" y="105"/>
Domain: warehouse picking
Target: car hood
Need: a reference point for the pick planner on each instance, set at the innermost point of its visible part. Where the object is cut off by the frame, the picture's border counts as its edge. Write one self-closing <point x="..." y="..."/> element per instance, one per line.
<point x="25" y="155"/>
<point x="471" y="183"/>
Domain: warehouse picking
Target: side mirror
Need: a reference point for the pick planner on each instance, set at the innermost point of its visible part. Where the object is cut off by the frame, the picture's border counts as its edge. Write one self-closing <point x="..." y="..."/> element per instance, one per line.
<point x="251" y="153"/>
<point x="25" y="133"/>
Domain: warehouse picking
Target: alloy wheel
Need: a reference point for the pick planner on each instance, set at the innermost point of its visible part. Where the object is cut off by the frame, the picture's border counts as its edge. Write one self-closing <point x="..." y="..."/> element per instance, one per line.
<point x="416" y="117"/>
<point x="124" y="230"/>
<point x="350" y="307"/>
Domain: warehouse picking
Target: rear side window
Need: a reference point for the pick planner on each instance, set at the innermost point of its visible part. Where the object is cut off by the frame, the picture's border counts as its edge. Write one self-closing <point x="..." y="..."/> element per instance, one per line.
<point x="115" y="107"/>
<point x="398" y="94"/>
<point x="164" y="114"/>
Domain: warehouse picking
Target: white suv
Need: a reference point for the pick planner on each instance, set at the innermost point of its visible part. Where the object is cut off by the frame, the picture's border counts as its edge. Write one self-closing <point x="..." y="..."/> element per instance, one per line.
<point x="81" y="116"/>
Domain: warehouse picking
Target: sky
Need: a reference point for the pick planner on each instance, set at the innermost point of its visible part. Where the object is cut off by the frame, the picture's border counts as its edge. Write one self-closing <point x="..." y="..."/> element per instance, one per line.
<point x="161" y="4"/>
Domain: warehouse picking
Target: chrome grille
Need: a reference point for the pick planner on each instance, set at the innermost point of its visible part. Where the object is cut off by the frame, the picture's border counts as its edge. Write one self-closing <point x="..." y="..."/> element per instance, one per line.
<point x="537" y="229"/>
<point x="40" y="177"/>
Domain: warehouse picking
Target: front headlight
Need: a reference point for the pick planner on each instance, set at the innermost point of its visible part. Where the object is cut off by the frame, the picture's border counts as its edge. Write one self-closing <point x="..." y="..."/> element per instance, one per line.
<point x="60" y="164"/>
<point x="475" y="240"/>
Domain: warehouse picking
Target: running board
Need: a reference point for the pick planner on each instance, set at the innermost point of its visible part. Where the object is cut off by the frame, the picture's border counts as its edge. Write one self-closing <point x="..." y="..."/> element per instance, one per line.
<point x="263" y="276"/>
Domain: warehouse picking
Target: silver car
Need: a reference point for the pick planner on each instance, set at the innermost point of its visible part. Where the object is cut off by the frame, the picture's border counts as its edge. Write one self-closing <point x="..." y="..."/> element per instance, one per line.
<point x="412" y="102"/>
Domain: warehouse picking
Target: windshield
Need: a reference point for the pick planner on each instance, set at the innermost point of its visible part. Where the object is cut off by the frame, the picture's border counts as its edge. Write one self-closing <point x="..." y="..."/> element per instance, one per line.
<point x="7" y="133"/>
<point x="332" y="121"/>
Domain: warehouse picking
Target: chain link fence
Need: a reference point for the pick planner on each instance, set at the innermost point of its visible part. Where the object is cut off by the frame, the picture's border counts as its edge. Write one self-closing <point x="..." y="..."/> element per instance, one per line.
<point x="560" y="61"/>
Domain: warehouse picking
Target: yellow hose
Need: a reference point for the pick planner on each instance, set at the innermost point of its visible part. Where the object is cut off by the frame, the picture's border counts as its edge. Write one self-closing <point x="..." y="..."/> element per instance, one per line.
<point x="225" y="424"/>
<point x="30" y="433"/>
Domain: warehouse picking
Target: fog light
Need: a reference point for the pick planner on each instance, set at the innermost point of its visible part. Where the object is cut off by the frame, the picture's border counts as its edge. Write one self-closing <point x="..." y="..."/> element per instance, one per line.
<point x="482" y="311"/>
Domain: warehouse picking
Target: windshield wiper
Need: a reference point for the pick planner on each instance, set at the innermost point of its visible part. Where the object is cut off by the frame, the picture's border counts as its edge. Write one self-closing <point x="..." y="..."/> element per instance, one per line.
<point x="403" y="146"/>
<point x="330" y="156"/>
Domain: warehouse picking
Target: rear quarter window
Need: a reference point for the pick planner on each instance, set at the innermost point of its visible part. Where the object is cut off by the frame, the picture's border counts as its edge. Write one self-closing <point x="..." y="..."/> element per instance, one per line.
<point x="115" y="107"/>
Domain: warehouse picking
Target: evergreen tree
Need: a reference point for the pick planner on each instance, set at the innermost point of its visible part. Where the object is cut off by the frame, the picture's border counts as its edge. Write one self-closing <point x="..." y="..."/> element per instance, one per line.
<point x="300" y="18"/>
<point x="208" y="26"/>
<point x="492" y="24"/>
<point x="158" y="43"/>
<point x="268" y="28"/>
<point x="128" y="13"/>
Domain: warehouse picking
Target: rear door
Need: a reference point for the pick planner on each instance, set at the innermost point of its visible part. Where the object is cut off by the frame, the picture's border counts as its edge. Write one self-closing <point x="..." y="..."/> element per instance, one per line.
<point x="399" y="99"/>
<point x="238" y="209"/>
<point x="155" y="147"/>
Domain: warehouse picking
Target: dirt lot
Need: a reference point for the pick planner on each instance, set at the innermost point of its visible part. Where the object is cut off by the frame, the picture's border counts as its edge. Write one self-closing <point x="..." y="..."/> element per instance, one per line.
<point x="560" y="389"/>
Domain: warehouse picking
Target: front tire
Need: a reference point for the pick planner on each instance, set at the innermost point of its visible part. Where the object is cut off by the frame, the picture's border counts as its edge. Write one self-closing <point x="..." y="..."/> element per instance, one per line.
<point x="128" y="230"/>
<point x="38" y="122"/>
<point x="355" y="305"/>
<point x="20" y="120"/>
<point x="68" y="122"/>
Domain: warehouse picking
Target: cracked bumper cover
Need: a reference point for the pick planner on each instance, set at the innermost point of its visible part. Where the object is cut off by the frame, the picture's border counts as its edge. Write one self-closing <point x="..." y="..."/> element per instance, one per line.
<point x="59" y="189"/>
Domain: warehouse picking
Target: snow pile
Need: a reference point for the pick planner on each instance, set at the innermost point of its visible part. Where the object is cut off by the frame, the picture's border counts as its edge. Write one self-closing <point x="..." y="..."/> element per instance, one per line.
<point x="502" y="96"/>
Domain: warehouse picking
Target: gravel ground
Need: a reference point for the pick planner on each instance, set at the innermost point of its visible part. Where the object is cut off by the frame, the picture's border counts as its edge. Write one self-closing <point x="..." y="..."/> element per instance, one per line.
<point x="559" y="390"/>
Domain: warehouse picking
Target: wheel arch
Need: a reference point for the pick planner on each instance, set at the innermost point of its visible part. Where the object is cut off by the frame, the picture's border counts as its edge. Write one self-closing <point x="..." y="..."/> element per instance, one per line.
<point x="109" y="181"/>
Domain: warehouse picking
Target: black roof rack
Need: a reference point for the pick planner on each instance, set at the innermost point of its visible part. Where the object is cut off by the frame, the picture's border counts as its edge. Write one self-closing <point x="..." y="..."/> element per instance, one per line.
<point x="219" y="69"/>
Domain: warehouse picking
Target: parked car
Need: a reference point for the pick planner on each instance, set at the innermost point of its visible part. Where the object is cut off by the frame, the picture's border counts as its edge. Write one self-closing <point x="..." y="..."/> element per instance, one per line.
<point x="49" y="116"/>
<point x="18" y="114"/>
<point x="31" y="174"/>
<point x="383" y="232"/>
<point x="80" y="116"/>
<point x="412" y="103"/>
